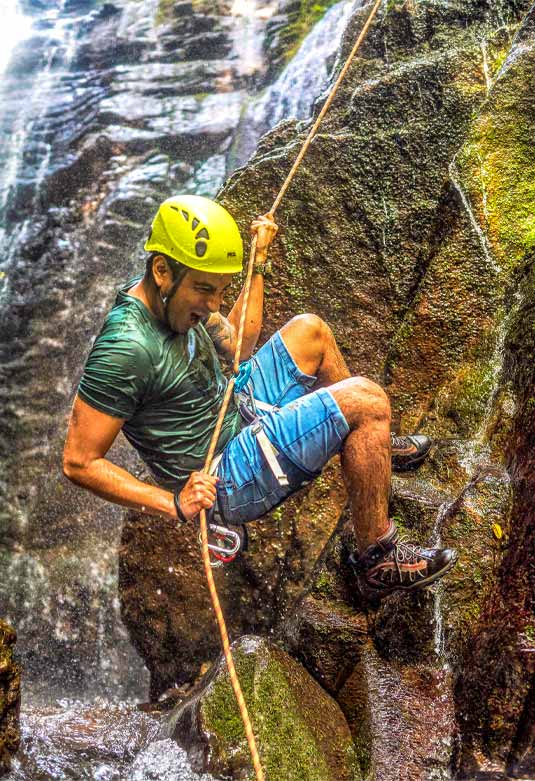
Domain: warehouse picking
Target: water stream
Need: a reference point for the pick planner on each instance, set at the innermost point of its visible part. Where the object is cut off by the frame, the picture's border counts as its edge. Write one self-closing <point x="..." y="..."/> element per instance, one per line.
<point x="104" y="741"/>
<point x="300" y="84"/>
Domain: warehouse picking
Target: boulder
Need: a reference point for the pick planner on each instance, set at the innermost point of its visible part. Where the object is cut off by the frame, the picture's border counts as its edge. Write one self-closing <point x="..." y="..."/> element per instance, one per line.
<point x="301" y="732"/>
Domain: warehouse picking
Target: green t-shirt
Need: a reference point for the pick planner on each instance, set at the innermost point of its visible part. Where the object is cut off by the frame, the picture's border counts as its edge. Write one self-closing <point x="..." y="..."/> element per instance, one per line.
<point x="169" y="388"/>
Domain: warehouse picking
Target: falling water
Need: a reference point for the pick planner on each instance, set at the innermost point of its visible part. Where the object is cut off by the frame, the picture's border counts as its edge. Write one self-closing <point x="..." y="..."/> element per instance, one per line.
<point x="29" y="89"/>
<point x="104" y="741"/>
<point x="436" y="542"/>
<point x="300" y="83"/>
<point x="455" y="179"/>
<point x="15" y="28"/>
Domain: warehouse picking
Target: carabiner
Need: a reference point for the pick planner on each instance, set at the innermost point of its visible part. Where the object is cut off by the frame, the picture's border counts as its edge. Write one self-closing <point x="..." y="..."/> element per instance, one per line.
<point x="227" y="544"/>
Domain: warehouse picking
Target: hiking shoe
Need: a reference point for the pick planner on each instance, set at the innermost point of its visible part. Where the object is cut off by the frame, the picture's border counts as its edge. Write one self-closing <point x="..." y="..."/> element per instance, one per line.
<point x="409" y="452"/>
<point x="393" y="564"/>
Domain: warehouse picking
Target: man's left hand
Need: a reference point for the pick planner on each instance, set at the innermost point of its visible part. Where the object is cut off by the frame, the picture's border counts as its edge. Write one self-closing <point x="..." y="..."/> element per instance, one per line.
<point x="265" y="229"/>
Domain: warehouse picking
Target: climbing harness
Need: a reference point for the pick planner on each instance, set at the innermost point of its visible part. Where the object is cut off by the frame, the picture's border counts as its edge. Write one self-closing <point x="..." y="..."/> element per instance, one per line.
<point x="229" y="390"/>
<point x="224" y="543"/>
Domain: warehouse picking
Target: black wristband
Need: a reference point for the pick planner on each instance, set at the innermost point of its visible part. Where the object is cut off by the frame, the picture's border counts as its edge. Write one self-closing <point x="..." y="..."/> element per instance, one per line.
<point x="178" y="508"/>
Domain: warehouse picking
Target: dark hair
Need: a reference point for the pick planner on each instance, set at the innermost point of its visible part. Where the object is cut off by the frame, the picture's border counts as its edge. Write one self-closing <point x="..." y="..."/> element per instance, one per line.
<point x="178" y="270"/>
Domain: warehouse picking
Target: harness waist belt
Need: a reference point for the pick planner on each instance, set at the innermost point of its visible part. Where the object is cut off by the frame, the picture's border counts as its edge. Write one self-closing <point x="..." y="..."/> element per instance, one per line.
<point x="215" y="463"/>
<point x="270" y="454"/>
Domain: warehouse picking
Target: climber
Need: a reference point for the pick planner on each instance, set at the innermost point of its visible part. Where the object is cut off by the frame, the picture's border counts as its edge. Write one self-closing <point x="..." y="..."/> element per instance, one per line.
<point x="155" y="374"/>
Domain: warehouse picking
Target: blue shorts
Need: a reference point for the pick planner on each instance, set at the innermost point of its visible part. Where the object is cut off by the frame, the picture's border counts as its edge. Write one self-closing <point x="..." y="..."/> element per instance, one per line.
<point x="307" y="429"/>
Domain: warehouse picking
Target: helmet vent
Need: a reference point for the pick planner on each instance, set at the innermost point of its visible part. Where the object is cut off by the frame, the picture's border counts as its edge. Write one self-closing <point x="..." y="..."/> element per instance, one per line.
<point x="202" y="234"/>
<point x="194" y="223"/>
<point x="200" y="249"/>
<point x="185" y="215"/>
<point x="174" y="208"/>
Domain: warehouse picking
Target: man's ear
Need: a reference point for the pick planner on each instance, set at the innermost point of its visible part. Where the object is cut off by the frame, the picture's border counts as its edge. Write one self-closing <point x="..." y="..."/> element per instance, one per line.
<point x="160" y="269"/>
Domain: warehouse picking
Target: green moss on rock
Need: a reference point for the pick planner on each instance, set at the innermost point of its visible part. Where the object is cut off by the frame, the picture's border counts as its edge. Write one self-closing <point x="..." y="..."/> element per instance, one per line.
<point x="301" y="733"/>
<point x="498" y="161"/>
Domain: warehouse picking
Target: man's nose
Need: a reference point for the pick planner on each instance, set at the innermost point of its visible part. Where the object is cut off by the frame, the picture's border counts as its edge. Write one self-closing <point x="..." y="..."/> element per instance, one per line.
<point x="213" y="303"/>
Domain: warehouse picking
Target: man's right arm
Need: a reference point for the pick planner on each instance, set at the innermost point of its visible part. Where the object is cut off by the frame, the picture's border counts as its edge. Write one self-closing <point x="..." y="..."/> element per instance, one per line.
<point x="90" y="435"/>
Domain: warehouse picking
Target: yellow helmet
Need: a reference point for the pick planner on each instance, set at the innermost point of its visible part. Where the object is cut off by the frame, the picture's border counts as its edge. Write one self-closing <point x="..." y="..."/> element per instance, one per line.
<point x="197" y="232"/>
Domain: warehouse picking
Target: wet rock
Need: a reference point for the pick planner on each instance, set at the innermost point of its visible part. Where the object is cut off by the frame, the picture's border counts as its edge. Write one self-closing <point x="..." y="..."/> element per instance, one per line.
<point x="72" y="739"/>
<point x="301" y="732"/>
<point x="80" y="170"/>
<point x="328" y="626"/>
<point x="164" y="598"/>
<point x="412" y="719"/>
<point x="380" y="662"/>
<point x="99" y="181"/>
<point x="9" y="698"/>
<point x="418" y="279"/>
<point x="409" y="221"/>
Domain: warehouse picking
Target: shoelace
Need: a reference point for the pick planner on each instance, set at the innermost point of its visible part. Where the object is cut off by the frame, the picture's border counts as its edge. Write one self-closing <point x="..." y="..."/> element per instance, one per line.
<point x="406" y="552"/>
<point x="400" y="443"/>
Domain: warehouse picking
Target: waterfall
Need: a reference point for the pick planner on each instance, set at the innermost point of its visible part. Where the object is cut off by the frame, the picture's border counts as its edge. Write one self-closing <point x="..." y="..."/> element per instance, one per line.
<point x="33" y="83"/>
<point x="300" y="84"/>
<point x="76" y="74"/>
<point x="15" y="28"/>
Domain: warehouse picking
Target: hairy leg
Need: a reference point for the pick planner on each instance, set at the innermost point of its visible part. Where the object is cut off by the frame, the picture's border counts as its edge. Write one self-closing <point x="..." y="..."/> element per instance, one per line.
<point x="366" y="456"/>
<point x="313" y="347"/>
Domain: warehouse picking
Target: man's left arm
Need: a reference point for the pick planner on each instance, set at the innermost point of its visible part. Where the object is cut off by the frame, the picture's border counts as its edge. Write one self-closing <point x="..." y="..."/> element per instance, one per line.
<point x="224" y="330"/>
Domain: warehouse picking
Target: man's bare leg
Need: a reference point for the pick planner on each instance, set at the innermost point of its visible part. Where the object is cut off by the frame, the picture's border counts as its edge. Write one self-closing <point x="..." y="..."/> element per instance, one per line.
<point x="365" y="406"/>
<point x="366" y="456"/>
<point x="312" y="345"/>
<point x="386" y="564"/>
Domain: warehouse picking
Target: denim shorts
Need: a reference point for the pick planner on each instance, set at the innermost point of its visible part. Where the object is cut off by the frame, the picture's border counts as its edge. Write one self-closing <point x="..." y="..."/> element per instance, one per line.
<point x="307" y="429"/>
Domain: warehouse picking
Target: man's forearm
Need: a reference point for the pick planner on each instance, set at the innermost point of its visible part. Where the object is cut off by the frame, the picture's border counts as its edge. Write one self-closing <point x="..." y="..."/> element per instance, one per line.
<point x="253" y="322"/>
<point x="115" y="484"/>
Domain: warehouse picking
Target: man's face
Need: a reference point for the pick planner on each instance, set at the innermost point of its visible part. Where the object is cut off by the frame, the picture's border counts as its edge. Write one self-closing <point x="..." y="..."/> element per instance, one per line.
<point x="199" y="295"/>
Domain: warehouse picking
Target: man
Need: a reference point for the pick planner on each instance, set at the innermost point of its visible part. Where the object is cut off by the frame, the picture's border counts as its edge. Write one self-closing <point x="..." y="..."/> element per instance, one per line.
<point x="154" y="372"/>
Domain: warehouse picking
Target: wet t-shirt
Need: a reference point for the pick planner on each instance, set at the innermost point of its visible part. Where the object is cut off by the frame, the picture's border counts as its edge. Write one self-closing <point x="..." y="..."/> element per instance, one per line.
<point x="168" y="387"/>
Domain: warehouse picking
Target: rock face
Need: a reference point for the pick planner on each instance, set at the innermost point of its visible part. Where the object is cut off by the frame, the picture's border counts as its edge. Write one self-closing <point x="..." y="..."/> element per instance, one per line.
<point x="413" y="216"/>
<point x="418" y="229"/>
<point x="300" y="730"/>
<point x="9" y="698"/>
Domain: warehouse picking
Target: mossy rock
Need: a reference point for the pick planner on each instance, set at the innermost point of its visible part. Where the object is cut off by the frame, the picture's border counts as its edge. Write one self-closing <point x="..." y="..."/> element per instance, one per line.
<point x="302" y="735"/>
<point x="9" y="697"/>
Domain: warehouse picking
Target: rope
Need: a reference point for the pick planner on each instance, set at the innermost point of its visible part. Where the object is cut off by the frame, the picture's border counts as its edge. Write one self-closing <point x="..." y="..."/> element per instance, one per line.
<point x="230" y="387"/>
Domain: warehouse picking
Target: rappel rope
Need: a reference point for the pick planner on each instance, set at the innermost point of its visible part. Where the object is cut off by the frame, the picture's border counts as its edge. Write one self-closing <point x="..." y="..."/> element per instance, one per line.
<point x="215" y="436"/>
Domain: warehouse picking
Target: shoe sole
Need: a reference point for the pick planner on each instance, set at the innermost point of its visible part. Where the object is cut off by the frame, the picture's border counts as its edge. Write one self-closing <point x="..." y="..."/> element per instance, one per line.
<point x="371" y="594"/>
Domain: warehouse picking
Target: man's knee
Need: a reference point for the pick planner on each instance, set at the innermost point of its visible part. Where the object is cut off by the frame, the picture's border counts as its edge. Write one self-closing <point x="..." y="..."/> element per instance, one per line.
<point x="361" y="400"/>
<point x="308" y="326"/>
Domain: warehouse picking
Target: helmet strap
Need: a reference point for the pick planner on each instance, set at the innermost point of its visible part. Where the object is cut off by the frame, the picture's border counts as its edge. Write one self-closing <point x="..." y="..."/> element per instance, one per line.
<point x="166" y="300"/>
